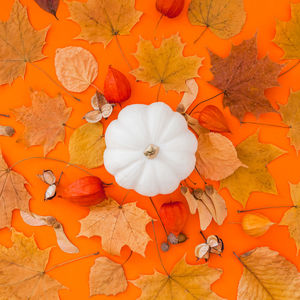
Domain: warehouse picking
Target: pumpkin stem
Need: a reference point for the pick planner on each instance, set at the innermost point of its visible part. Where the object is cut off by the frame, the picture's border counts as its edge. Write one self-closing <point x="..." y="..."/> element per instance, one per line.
<point x="151" y="151"/>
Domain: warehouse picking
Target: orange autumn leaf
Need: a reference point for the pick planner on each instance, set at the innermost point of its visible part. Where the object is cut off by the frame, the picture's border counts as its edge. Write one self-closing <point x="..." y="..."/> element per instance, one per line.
<point x="44" y="120"/>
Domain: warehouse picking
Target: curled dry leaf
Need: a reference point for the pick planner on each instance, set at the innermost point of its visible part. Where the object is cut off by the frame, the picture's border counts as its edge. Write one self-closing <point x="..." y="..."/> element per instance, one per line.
<point x="189" y="96"/>
<point x="87" y="145"/>
<point x="44" y="120"/>
<point x="209" y="203"/>
<point x="118" y="226"/>
<point x="101" y="20"/>
<point x="20" y="43"/>
<point x="166" y="65"/>
<point x="216" y="156"/>
<point x="62" y="240"/>
<point x="6" y="131"/>
<point x="268" y="275"/>
<point x="184" y="282"/>
<point x="49" y="6"/>
<point x="76" y="68"/>
<point x="256" y="225"/>
<point x="225" y="18"/>
<point x="256" y="177"/>
<point x="107" y="278"/>
<point x="23" y="271"/>
<point x="13" y="193"/>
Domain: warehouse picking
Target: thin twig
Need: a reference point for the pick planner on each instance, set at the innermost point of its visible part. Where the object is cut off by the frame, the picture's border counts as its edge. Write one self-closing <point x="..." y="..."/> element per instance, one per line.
<point x="4" y="115"/>
<point x="268" y="207"/>
<point x="155" y="238"/>
<point x="66" y="125"/>
<point x="201" y="232"/>
<point x="159" y="216"/>
<point x="200" y="175"/>
<point x="291" y="68"/>
<point x="200" y="36"/>
<point x="127" y="259"/>
<point x="265" y="124"/>
<point x="122" y="53"/>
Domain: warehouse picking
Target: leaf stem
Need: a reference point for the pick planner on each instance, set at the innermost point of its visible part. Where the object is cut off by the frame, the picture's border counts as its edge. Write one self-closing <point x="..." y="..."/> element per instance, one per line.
<point x="201" y="232"/>
<point x="66" y="125"/>
<point x="158" y="92"/>
<point x="127" y="259"/>
<point x="159" y="217"/>
<point x="71" y="261"/>
<point x="155" y="238"/>
<point x="200" y="36"/>
<point x="206" y="101"/>
<point x="156" y="26"/>
<point x="265" y="124"/>
<point x="200" y="175"/>
<point x="268" y="207"/>
<point x="291" y="68"/>
<point x="4" y="115"/>
<point x="122" y="53"/>
<point x="49" y="77"/>
<point x="96" y="88"/>
<point x="121" y="204"/>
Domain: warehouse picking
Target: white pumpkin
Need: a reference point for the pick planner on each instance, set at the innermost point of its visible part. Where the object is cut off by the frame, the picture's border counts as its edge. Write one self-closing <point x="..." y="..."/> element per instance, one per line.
<point x="150" y="149"/>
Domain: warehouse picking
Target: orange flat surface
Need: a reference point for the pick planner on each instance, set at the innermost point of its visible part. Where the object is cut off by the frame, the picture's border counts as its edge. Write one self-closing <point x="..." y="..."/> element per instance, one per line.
<point x="261" y="19"/>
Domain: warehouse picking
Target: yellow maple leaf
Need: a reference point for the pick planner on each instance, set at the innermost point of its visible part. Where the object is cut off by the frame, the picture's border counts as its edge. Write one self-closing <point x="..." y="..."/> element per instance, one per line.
<point x="185" y="282"/>
<point x="101" y="20"/>
<point x="287" y="34"/>
<point x="268" y="276"/>
<point x="290" y="113"/>
<point x="166" y="65"/>
<point x="19" y="44"/>
<point x="256" y="177"/>
<point x="13" y="193"/>
<point x="118" y="226"/>
<point x="23" y="273"/>
<point x="44" y="120"/>
<point x="87" y="145"/>
<point x="292" y="217"/>
<point x="225" y="18"/>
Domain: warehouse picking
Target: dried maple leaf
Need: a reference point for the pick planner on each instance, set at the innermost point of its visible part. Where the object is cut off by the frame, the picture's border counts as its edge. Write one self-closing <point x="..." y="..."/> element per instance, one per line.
<point x="118" y="226"/>
<point x="243" y="78"/>
<point x="225" y="18"/>
<point x="291" y="116"/>
<point x="166" y="65"/>
<point x="23" y="273"/>
<point x="44" y="120"/>
<point x="216" y="157"/>
<point x="267" y="275"/>
<point x="287" y="34"/>
<point x="256" y="177"/>
<point x="13" y="193"/>
<point x="107" y="278"/>
<point x="19" y="44"/>
<point x="101" y="20"/>
<point x="292" y="217"/>
<point x="87" y="145"/>
<point x="185" y="282"/>
<point x="49" y="6"/>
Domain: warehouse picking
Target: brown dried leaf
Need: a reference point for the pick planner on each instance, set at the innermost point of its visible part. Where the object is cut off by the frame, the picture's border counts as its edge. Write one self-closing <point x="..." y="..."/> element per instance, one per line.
<point x="107" y="278"/>
<point x="118" y="226"/>
<point x="44" y="120"/>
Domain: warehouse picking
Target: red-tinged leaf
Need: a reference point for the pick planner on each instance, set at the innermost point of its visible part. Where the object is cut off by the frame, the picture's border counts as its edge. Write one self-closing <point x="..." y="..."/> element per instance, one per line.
<point x="213" y="119"/>
<point x="49" y="6"/>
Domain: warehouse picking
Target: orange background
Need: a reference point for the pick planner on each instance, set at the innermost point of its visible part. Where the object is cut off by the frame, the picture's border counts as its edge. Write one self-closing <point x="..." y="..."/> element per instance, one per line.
<point x="261" y="19"/>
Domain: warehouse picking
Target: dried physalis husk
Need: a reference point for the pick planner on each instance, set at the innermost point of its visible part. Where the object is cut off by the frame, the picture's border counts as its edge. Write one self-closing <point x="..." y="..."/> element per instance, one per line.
<point x="50" y="192"/>
<point x="6" y="131"/>
<point x="97" y="101"/>
<point x="202" y="251"/>
<point x="256" y="224"/>
<point x="93" y="116"/>
<point x="216" y="244"/>
<point x="48" y="177"/>
<point x="181" y="237"/>
<point x="106" y="110"/>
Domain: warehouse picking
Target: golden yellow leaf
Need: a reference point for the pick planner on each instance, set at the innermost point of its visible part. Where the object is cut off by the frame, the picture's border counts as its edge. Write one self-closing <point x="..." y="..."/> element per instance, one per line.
<point x="44" y="120"/>
<point x="290" y="113"/>
<point x="87" y="145"/>
<point x="23" y="273"/>
<point x="101" y="20"/>
<point x="185" y="282"/>
<point x="216" y="156"/>
<point x="256" y="225"/>
<point x="287" y="34"/>
<point x="166" y="65"/>
<point x="225" y="18"/>
<point x="19" y="44"/>
<point x="118" y="226"/>
<point x="268" y="276"/>
<point x="107" y="278"/>
<point x="13" y="193"/>
<point x="256" y="177"/>
<point x="292" y="217"/>
<point x="76" y="68"/>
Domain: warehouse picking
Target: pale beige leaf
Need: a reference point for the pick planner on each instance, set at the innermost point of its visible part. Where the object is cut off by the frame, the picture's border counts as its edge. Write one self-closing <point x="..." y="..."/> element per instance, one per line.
<point x="6" y="130"/>
<point x="76" y="68"/>
<point x="189" y="96"/>
<point x="216" y="156"/>
<point x="22" y="271"/>
<point x="268" y="276"/>
<point x="107" y="278"/>
<point x="185" y="282"/>
<point x="117" y="226"/>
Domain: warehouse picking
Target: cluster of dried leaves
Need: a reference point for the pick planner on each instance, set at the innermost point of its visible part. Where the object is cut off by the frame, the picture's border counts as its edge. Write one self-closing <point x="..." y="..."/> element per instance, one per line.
<point x="242" y="79"/>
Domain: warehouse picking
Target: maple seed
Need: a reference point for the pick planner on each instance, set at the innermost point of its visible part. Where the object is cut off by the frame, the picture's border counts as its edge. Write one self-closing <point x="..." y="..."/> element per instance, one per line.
<point x="164" y="247"/>
<point x="173" y="239"/>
